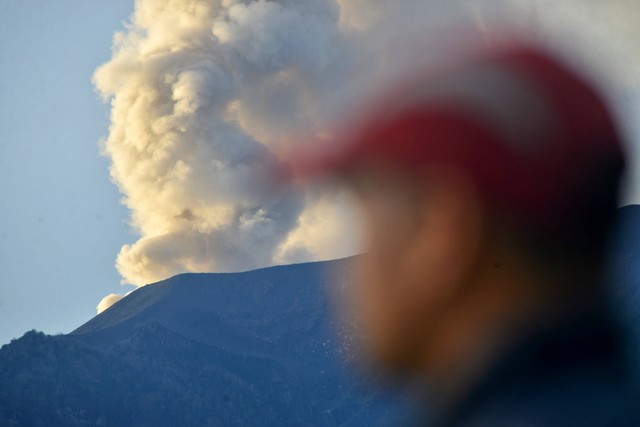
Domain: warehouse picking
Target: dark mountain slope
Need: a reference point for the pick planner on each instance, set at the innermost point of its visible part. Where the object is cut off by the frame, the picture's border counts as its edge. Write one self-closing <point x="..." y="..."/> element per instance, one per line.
<point x="255" y="348"/>
<point x="259" y="348"/>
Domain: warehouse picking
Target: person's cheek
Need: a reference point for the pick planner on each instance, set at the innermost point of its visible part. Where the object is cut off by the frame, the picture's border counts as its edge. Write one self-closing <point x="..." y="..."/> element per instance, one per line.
<point x="376" y="283"/>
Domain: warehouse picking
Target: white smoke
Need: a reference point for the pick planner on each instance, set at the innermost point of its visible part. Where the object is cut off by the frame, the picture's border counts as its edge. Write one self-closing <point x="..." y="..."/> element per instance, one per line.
<point x="203" y="92"/>
<point x="198" y="88"/>
<point x="108" y="301"/>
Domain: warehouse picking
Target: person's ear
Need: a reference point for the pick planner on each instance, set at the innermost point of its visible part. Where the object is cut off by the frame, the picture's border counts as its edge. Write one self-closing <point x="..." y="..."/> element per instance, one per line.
<point x="446" y="247"/>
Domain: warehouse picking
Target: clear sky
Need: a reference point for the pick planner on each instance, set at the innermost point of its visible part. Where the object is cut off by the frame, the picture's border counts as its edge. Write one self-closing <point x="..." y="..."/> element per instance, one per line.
<point x="62" y="225"/>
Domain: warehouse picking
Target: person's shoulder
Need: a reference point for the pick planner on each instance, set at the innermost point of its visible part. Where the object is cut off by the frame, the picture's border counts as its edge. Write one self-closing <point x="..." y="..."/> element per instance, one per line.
<point x="585" y="401"/>
<point x="575" y="374"/>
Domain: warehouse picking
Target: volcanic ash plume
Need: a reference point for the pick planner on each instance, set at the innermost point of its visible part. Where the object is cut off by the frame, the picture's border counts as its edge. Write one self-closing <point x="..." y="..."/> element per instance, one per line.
<point x="204" y="91"/>
<point x="198" y="91"/>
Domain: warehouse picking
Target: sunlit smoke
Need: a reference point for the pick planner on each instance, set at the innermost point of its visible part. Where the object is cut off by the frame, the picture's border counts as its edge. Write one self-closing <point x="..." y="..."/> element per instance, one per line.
<point x="199" y="89"/>
<point x="204" y="92"/>
<point x="108" y="301"/>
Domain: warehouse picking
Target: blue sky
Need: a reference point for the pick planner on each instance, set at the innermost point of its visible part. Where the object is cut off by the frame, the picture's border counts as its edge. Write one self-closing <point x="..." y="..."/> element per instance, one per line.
<point x="61" y="223"/>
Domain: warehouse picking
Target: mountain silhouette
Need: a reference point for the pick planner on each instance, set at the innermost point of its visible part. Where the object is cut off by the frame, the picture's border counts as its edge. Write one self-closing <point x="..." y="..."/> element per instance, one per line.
<point x="254" y="348"/>
<point x="259" y="348"/>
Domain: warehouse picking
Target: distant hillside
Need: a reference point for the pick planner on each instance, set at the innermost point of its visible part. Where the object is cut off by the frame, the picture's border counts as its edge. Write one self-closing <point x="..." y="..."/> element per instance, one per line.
<point x="255" y="348"/>
<point x="260" y="348"/>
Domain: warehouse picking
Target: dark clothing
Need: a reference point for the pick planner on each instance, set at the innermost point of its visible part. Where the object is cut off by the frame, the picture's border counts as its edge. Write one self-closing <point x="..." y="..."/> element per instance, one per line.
<point x="571" y="375"/>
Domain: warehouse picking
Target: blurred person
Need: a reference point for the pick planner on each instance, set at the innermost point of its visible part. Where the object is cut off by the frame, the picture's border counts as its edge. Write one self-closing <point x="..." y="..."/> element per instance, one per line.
<point x="488" y="191"/>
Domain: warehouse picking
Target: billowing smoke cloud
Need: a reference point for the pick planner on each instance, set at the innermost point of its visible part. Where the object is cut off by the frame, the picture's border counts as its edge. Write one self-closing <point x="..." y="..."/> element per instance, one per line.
<point x="198" y="89"/>
<point x="108" y="301"/>
<point x="203" y="93"/>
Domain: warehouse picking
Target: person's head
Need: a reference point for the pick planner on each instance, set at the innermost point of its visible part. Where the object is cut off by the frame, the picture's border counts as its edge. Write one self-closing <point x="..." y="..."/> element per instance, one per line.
<point x="487" y="192"/>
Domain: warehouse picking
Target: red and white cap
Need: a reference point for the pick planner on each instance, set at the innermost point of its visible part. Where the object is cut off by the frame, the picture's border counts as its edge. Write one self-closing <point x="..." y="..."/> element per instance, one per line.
<point x="533" y="134"/>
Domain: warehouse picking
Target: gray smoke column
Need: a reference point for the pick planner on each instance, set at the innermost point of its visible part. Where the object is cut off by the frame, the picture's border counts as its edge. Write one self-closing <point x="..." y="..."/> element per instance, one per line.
<point x="203" y="92"/>
<point x="199" y="90"/>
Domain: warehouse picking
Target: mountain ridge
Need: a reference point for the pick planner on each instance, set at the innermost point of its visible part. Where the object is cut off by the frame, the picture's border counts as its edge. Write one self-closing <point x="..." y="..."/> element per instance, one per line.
<point x="200" y="349"/>
<point x="263" y="347"/>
